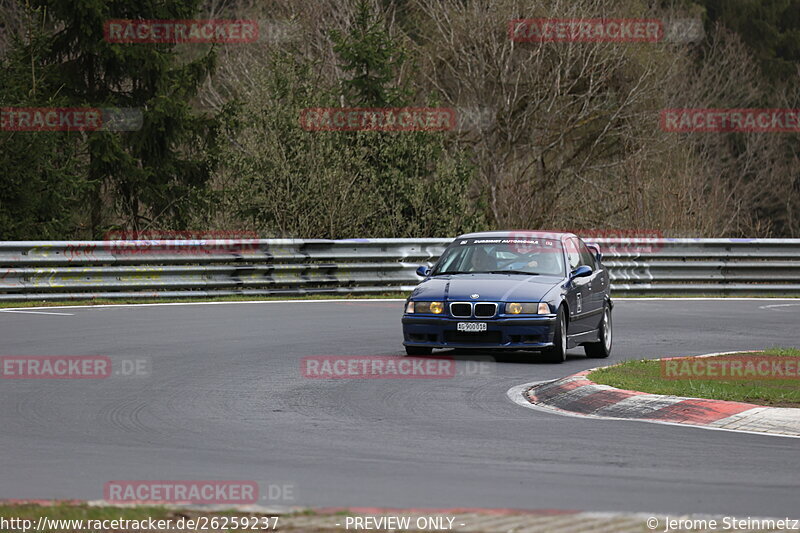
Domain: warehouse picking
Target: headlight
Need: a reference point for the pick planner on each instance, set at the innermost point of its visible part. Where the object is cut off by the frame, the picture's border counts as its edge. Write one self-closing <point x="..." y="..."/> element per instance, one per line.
<point x="436" y="308"/>
<point x="515" y="308"/>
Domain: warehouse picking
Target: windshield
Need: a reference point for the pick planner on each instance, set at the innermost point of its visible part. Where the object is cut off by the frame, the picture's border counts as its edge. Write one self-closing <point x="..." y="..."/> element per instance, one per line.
<point x="515" y="256"/>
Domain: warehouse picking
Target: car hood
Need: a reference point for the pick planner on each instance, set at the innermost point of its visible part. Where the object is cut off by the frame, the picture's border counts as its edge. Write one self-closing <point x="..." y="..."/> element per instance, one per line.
<point x="489" y="287"/>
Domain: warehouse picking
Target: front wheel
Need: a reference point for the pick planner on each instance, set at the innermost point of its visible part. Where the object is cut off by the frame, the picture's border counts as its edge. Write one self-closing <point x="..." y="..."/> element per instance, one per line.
<point x="558" y="353"/>
<point x="418" y="350"/>
<point x="601" y="349"/>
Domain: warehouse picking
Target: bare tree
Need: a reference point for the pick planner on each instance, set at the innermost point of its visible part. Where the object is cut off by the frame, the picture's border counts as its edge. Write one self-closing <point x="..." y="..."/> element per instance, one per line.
<point x="575" y="140"/>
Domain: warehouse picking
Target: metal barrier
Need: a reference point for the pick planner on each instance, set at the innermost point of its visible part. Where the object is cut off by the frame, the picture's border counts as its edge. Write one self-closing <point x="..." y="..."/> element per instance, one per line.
<point x="40" y="271"/>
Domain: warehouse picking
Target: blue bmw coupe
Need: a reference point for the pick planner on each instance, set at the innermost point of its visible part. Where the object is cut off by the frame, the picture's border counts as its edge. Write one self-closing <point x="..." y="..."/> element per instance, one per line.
<point x="518" y="290"/>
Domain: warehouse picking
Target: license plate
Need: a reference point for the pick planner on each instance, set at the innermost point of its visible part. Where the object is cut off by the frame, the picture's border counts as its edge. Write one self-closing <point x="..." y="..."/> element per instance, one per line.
<point x="471" y="327"/>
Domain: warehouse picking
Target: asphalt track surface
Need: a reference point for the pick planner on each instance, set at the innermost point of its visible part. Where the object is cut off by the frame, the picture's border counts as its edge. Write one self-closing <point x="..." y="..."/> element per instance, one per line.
<point x="225" y="400"/>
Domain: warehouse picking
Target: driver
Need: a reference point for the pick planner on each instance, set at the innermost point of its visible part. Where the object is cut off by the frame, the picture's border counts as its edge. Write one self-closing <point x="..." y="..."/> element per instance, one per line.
<point x="482" y="261"/>
<point x="548" y="262"/>
<point x="544" y="262"/>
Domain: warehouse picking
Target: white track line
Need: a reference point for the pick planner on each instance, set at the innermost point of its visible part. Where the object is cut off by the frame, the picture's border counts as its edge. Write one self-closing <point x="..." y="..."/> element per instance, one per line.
<point x="680" y="299"/>
<point x="214" y="303"/>
<point x="15" y="310"/>
<point x="517" y="395"/>
<point x="776" y="305"/>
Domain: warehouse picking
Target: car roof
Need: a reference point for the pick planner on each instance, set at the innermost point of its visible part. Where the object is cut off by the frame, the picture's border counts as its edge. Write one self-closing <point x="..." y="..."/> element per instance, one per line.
<point x="518" y="233"/>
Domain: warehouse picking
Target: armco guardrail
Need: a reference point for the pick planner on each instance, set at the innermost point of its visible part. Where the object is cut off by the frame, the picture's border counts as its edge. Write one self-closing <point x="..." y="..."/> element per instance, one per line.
<point x="171" y="269"/>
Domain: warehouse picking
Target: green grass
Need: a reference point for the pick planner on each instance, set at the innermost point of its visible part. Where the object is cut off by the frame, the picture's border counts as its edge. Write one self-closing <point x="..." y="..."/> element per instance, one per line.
<point x="69" y="511"/>
<point x="79" y="511"/>
<point x="646" y="376"/>
<point x="4" y="305"/>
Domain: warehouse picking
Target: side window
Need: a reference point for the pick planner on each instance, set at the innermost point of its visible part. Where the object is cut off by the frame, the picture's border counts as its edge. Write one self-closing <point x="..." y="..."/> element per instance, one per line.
<point x="573" y="254"/>
<point x="453" y="261"/>
<point x="586" y="256"/>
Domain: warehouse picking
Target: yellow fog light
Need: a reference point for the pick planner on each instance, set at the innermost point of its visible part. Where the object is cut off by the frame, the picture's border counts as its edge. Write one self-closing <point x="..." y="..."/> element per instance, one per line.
<point x="527" y="308"/>
<point x="514" y="308"/>
<point x="436" y="308"/>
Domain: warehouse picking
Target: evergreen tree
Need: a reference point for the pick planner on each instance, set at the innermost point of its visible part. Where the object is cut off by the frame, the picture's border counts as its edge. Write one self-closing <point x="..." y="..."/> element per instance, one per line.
<point x="770" y="28"/>
<point x="372" y="60"/>
<point x="42" y="174"/>
<point x="401" y="167"/>
<point x="153" y="173"/>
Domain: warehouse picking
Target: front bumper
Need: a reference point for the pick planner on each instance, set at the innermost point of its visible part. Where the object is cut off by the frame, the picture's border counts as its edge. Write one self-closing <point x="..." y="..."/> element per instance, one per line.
<point x="529" y="332"/>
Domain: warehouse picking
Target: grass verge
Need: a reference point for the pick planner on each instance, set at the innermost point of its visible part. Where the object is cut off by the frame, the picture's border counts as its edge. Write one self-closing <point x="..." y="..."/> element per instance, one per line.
<point x="73" y="511"/>
<point x="647" y="376"/>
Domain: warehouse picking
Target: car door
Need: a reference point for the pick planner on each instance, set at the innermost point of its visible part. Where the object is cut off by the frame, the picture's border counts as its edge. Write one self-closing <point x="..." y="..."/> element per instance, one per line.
<point x="578" y="294"/>
<point x="596" y="283"/>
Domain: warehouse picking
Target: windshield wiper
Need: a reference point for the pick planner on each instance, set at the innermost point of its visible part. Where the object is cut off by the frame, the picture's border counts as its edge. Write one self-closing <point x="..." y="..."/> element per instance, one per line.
<point x="486" y="272"/>
<point x="511" y="272"/>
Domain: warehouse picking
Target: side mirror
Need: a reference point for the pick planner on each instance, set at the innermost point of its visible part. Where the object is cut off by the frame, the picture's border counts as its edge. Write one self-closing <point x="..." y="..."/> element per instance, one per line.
<point x="581" y="272"/>
<point x="423" y="271"/>
<point x="595" y="249"/>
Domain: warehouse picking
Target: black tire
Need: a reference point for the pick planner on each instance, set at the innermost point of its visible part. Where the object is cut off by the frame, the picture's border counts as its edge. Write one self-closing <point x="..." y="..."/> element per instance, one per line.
<point x="418" y="350"/>
<point x="602" y="349"/>
<point x="558" y="353"/>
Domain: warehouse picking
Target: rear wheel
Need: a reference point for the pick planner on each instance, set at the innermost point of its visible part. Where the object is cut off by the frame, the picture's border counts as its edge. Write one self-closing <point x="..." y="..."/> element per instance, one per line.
<point x="558" y="353"/>
<point x="601" y="349"/>
<point x="418" y="350"/>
